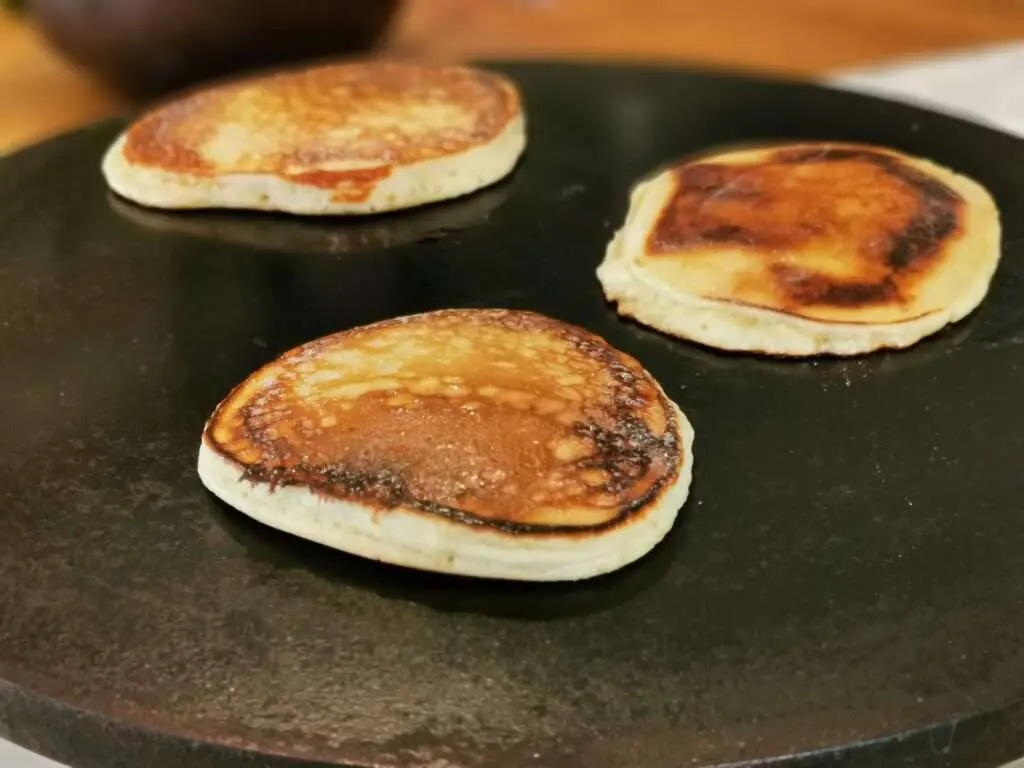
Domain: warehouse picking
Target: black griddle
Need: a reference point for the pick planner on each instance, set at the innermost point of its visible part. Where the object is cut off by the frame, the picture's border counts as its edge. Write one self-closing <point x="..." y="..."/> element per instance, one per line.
<point x="845" y="586"/>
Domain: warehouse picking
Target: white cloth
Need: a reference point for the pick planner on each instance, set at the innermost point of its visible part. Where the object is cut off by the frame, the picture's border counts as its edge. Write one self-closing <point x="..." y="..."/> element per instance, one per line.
<point x="986" y="85"/>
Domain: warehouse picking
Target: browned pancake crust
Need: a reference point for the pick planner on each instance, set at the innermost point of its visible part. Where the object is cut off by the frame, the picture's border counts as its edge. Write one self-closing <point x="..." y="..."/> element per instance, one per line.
<point x="503" y="418"/>
<point x="884" y="223"/>
<point x="297" y="112"/>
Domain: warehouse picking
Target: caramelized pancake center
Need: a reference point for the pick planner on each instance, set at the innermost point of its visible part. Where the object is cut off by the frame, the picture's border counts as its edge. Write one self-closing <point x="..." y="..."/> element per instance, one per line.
<point x="488" y="416"/>
<point x="809" y="231"/>
<point x="338" y="127"/>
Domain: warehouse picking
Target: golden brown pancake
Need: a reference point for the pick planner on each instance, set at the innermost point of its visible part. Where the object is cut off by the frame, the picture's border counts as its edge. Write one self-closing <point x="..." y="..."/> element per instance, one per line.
<point x="804" y="249"/>
<point x="344" y="138"/>
<point x="481" y="442"/>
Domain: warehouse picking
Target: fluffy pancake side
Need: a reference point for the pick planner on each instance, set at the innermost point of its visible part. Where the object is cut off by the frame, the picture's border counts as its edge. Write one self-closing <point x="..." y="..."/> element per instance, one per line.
<point x="332" y="139"/>
<point x="485" y="443"/>
<point x="804" y="249"/>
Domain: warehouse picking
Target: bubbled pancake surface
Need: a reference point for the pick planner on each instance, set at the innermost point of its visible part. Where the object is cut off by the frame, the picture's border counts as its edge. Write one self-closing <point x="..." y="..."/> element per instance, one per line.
<point x="342" y="127"/>
<point x="506" y="418"/>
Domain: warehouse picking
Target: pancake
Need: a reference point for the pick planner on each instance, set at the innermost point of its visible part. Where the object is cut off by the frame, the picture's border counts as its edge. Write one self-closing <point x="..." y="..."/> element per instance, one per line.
<point x="486" y="443"/>
<point x="333" y="139"/>
<point x="804" y="249"/>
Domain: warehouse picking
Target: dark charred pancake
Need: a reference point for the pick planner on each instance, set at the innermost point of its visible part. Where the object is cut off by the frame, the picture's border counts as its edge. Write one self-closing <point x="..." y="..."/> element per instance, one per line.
<point x="504" y="419"/>
<point x="815" y="231"/>
<point x="803" y="249"/>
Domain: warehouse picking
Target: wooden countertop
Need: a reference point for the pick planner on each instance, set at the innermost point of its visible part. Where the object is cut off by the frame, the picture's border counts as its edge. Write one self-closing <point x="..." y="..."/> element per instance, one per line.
<point x="40" y="94"/>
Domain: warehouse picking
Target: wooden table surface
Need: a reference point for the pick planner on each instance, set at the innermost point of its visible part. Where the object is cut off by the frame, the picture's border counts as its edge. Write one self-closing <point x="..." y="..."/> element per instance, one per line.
<point x="40" y="94"/>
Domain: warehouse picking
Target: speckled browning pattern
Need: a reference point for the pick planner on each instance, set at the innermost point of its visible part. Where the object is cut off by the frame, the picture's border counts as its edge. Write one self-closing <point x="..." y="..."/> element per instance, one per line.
<point x="340" y="127"/>
<point x="508" y="419"/>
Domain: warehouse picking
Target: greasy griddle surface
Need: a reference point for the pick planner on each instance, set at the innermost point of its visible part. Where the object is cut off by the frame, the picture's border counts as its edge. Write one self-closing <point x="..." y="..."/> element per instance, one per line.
<point x="848" y="565"/>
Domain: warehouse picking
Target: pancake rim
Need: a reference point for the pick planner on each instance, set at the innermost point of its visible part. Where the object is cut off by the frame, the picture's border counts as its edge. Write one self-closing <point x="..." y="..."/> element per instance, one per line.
<point x="477" y="545"/>
<point x="737" y="326"/>
<point x="405" y="184"/>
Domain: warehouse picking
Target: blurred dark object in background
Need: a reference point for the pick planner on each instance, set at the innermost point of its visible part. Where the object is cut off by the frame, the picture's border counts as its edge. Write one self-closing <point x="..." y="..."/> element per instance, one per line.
<point x="146" y="48"/>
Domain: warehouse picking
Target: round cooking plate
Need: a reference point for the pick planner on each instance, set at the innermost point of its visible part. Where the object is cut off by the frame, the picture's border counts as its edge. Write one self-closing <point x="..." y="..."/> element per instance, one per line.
<point x="846" y="576"/>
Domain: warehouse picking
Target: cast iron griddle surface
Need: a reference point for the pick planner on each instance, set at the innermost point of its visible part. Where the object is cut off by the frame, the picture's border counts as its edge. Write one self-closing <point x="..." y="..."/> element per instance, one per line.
<point x="849" y="565"/>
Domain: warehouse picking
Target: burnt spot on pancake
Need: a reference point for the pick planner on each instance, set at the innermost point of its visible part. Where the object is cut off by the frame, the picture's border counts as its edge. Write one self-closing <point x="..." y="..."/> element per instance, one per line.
<point x="342" y="127"/>
<point x="877" y="221"/>
<point x="497" y="418"/>
<point x="810" y="288"/>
